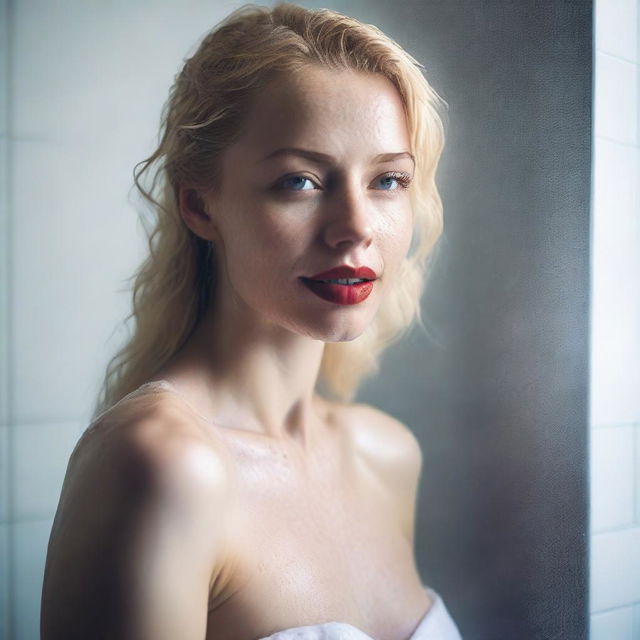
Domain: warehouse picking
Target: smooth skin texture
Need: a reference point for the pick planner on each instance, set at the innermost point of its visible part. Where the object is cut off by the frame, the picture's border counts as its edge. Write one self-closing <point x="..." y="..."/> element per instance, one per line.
<point x="280" y="508"/>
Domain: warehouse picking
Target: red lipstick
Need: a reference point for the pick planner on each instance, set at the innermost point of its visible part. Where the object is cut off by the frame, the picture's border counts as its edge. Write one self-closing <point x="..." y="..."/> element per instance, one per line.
<point x="342" y="292"/>
<point x="345" y="271"/>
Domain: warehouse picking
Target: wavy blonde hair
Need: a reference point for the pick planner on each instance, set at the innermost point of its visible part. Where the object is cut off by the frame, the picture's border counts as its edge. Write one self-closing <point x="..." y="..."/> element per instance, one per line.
<point x="201" y="118"/>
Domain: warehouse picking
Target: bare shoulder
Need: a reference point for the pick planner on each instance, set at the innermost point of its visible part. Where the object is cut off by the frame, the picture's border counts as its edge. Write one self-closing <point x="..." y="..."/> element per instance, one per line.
<point x="390" y="448"/>
<point x="384" y="440"/>
<point x="155" y="447"/>
<point x="158" y="431"/>
<point x="139" y="534"/>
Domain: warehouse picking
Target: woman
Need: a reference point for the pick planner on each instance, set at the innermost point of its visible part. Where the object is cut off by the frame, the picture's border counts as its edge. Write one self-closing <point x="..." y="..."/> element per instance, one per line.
<point x="217" y="494"/>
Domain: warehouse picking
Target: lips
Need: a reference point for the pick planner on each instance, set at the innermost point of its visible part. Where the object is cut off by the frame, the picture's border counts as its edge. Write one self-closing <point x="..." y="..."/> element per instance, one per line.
<point x="345" y="271"/>
<point x="340" y="293"/>
<point x="344" y="294"/>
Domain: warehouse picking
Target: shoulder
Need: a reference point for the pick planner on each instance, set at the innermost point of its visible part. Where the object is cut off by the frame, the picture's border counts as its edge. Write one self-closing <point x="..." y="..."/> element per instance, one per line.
<point x="155" y="438"/>
<point x="384" y="440"/>
<point x="153" y="447"/>
<point x="141" y="515"/>
<point x="391" y="451"/>
<point x="156" y="425"/>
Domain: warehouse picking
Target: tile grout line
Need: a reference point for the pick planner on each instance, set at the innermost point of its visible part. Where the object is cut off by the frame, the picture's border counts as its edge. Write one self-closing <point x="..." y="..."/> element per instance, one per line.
<point x="602" y="426"/>
<point x="615" y="56"/>
<point x="37" y="517"/>
<point x="620" y="607"/>
<point x="636" y="63"/>
<point x="629" y="526"/>
<point x="623" y="143"/>
<point x="82" y="422"/>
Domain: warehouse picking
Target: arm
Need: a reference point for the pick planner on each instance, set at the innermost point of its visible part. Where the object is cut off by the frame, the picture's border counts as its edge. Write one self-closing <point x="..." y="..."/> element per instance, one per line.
<point x="137" y="539"/>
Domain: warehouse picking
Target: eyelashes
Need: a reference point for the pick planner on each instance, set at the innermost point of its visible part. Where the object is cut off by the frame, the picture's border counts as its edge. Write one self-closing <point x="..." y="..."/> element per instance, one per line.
<point x="402" y="178"/>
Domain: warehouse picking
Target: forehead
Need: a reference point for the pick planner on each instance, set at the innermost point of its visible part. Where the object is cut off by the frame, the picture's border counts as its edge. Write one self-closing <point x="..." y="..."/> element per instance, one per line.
<point x="342" y="113"/>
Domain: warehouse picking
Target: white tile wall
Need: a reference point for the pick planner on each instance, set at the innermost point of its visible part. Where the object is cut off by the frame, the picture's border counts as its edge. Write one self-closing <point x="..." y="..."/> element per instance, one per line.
<point x="615" y="559"/>
<point x="612" y="464"/>
<point x="75" y="241"/>
<point x="5" y="252"/>
<point x="617" y="624"/>
<point x="40" y="453"/>
<point x="30" y="540"/>
<point x="5" y="559"/>
<point x="615" y="299"/>
<point x="636" y="467"/>
<point x="4" y="84"/>
<point x="5" y="467"/>
<point x="5" y="495"/>
<point x="616" y="28"/>
<point x="81" y="122"/>
<point x="616" y="97"/>
<point x="615" y="337"/>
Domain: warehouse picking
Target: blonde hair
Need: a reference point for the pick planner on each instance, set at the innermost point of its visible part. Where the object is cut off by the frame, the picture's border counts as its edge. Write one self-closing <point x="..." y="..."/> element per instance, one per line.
<point x="201" y="118"/>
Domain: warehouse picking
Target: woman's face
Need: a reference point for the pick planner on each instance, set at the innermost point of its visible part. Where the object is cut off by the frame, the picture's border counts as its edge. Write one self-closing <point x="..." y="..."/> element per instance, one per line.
<point x="318" y="179"/>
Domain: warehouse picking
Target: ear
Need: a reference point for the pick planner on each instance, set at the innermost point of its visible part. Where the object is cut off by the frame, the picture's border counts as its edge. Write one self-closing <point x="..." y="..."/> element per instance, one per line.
<point x="193" y="211"/>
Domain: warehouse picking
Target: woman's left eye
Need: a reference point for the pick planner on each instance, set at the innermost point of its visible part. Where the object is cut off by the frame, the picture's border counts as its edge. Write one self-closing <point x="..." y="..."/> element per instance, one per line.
<point x="402" y="179"/>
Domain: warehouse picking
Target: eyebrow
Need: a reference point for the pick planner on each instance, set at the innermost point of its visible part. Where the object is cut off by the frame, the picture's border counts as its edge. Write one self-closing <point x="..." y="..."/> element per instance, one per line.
<point x="323" y="158"/>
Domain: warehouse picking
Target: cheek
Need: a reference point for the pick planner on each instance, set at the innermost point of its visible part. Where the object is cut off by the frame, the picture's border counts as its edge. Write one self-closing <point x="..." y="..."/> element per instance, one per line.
<point x="408" y="239"/>
<point x="266" y="244"/>
<point x="279" y="239"/>
<point x="398" y="235"/>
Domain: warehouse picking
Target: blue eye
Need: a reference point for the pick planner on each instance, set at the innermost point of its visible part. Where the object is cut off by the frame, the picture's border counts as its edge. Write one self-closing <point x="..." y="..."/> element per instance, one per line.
<point x="402" y="179"/>
<point x="297" y="183"/>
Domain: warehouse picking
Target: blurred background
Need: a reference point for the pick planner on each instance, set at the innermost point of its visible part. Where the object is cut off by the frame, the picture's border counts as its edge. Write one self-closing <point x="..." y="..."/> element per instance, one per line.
<point x="525" y="394"/>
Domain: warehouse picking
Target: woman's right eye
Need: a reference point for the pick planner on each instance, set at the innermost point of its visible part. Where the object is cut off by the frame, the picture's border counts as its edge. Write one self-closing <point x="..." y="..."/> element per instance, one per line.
<point x="296" y="183"/>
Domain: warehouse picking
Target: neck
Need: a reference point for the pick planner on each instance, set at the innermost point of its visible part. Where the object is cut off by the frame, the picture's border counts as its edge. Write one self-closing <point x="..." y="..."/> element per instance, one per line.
<point x="249" y="372"/>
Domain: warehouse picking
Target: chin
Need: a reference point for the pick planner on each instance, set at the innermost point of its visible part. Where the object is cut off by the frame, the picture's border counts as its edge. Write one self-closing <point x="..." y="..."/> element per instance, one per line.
<point x="328" y="331"/>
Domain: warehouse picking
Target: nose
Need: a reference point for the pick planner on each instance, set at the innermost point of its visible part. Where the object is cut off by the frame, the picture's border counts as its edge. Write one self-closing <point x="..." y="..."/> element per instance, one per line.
<point x="351" y="219"/>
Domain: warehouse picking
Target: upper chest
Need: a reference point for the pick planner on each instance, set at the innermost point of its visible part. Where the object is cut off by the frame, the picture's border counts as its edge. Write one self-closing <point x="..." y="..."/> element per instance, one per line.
<point x="314" y="539"/>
